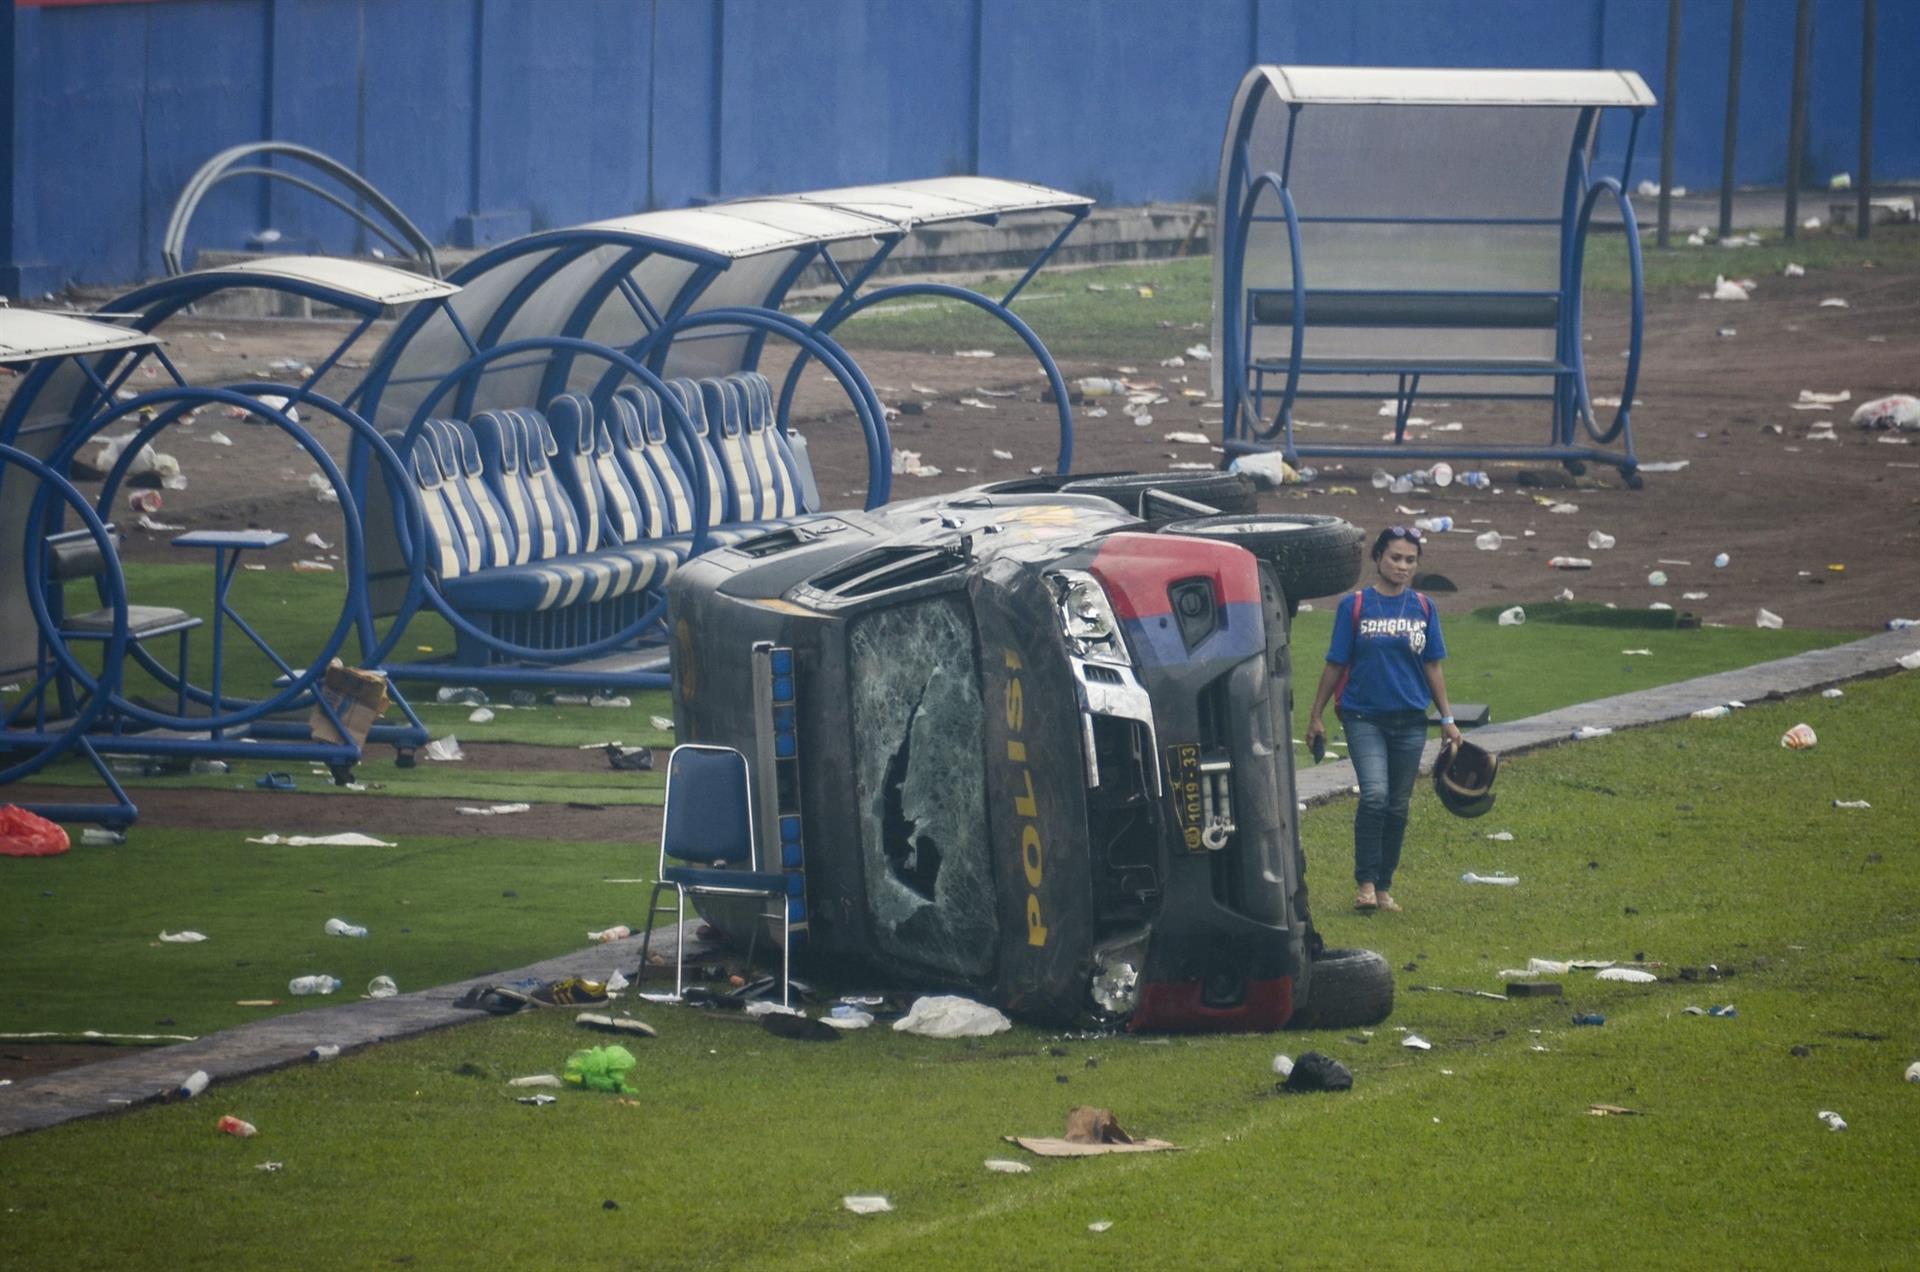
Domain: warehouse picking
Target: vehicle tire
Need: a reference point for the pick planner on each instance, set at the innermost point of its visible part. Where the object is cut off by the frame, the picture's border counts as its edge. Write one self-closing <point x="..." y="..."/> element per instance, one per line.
<point x="1312" y="555"/>
<point x="1229" y="492"/>
<point x="1346" y="990"/>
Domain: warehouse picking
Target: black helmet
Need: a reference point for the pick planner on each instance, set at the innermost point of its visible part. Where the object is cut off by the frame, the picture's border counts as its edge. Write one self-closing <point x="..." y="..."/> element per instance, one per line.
<point x="1463" y="778"/>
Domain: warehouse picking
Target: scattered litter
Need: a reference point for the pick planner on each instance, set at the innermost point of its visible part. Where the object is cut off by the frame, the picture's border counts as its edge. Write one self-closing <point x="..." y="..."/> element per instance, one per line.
<point x="1728" y="289"/>
<point x="100" y="836"/>
<point x="1913" y="1071"/>
<point x="1569" y="563"/>
<point x="270" y="1167"/>
<point x="1910" y="662"/>
<point x="1809" y="395"/>
<point x="1768" y="619"/>
<point x="538" y="1101"/>
<point x="1487" y="542"/>
<point x="1003" y="1166"/>
<point x="1693" y="596"/>
<point x="324" y="1052"/>
<point x="340" y="927"/>
<point x="950" y="1016"/>
<point x="231" y="1125"/>
<point x="1721" y="561"/>
<point x="1611" y="1110"/>
<point x="1644" y="653"/>
<point x="1513" y="617"/>
<point x="1200" y="353"/>
<point x="601" y="1069"/>
<point x="1592" y="1018"/>
<point x="1502" y="836"/>
<point x="535" y="1080"/>
<point x="1416" y="1043"/>
<point x="1563" y="507"/>
<point x="1632" y="975"/>
<point x="1657" y="579"/>
<point x="313" y="567"/>
<point x="1833" y="693"/>
<point x="1315" y="1072"/>
<point x="322" y="488"/>
<point x="977" y="404"/>
<point x="480" y="715"/>
<point x="1002" y="454"/>
<point x="445" y="750"/>
<point x="1665" y="466"/>
<point x="973" y="353"/>
<point x="1600" y="541"/>
<point x="1283" y="1064"/>
<point x="1499" y="880"/>
<point x="614" y="701"/>
<point x="618" y="932"/>
<point x="1563" y="595"/>
<point x="218" y="438"/>
<point x="867" y="1204"/>
<point x="1834" y="302"/>
<point x="382" y="987"/>
<point x="187" y="937"/>
<point x="1190" y="439"/>
<point x="1711" y="713"/>
<point x="1588" y="731"/>
<point x="615" y="1024"/>
<point x="344" y="839"/>
<point x="1800" y="737"/>
<point x="1834" y="1121"/>
<point x="1900" y="412"/>
<point x="158" y="527"/>
<point x="1851" y="803"/>
<point x="847" y="1016"/>
<point x="195" y="1083"/>
<point x="492" y="810"/>
<point x="314" y="540"/>
<point x="1100" y="1225"/>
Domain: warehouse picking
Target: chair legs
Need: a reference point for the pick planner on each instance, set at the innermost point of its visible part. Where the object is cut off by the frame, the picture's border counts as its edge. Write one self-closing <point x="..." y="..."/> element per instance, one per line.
<point x="680" y="941"/>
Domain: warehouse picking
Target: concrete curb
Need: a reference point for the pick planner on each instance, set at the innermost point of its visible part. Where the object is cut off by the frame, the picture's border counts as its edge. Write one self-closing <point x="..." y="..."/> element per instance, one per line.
<point x="143" y="1076"/>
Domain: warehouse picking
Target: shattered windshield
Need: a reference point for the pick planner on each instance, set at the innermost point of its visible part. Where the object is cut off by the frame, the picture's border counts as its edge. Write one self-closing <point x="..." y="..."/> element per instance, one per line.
<point x="920" y="780"/>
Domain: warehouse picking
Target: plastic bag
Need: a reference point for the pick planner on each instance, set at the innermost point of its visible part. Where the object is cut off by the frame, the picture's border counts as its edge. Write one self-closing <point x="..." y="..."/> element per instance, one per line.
<point x="25" y="834"/>
<point x="601" y="1069"/>
<point x="950" y="1016"/>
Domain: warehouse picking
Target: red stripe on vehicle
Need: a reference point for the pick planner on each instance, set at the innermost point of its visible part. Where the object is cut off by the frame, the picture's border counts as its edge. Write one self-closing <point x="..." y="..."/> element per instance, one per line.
<point x="1137" y="570"/>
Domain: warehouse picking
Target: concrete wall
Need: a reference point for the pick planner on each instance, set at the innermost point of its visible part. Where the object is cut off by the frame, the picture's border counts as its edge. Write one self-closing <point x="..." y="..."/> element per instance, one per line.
<point x="485" y="118"/>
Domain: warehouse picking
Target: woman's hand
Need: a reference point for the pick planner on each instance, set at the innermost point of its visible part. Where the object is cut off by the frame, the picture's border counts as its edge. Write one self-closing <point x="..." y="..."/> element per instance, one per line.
<point x="1450" y="733"/>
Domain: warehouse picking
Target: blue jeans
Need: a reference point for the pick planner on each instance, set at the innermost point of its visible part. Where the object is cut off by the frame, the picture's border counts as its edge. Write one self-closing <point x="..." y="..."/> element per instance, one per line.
<point x="1386" y="758"/>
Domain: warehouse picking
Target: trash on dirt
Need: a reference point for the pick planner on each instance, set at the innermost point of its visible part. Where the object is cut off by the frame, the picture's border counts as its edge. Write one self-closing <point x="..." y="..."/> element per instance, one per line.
<point x="977" y="404"/>
<point x="1563" y="595"/>
<point x="1712" y="713"/>
<point x="1631" y="975"/>
<point x="1499" y="880"/>
<point x="867" y="1204"/>
<point x="382" y="987"/>
<point x="340" y="927"/>
<point x="231" y="1125"/>
<point x="1090" y="1132"/>
<point x="313" y="567"/>
<point x="192" y="1085"/>
<point x="344" y="839"/>
<point x="1414" y="1042"/>
<point x="1835" y="302"/>
<point x="1569" y="563"/>
<point x="618" y="932"/>
<point x="1599" y="540"/>
<point x="973" y="353"/>
<point x="627" y="759"/>
<point x="1833" y="1121"/>
<point x="1728" y="289"/>
<point x="1587" y="732"/>
<point x="601" y="1069"/>
<point x="950" y="1016"/>
<point x="1800" y="737"/>
<point x="1488" y="541"/>
<point x="1004" y="1166"/>
<point x="1200" y="353"/>
<point x="1315" y="1072"/>
<point x="322" y="488"/>
<point x="1563" y="507"/>
<point x="1910" y="662"/>
<point x="1190" y="439"/>
<point x="1851" y="803"/>
<point x="444" y="750"/>
<point x="1513" y="617"/>
<point x="1829" y="399"/>
<point x="492" y="810"/>
<point x="1665" y="465"/>
<point x="1657" y="579"/>
<point x="1611" y="1110"/>
<point x="1002" y="454"/>
<point x="1449" y="989"/>
<point x="1693" y="596"/>
<point x="187" y="937"/>
<point x="1900" y="412"/>
<point x="157" y="527"/>
<point x="1768" y="619"/>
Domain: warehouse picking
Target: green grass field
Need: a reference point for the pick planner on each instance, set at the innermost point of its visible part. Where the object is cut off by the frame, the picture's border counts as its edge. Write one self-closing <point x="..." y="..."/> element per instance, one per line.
<point x="1117" y="323"/>
<point x="1690" y="844"/>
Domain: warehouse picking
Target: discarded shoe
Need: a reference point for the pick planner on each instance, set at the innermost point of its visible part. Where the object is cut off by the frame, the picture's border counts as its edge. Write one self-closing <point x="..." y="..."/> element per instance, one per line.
<point x="497" y="1000"/>
<point x="275" y="782"/>
<point x="799" y="1028"/>
<point x="629" y="759"/>
<point x="572" y="991"/>
<point x="615" y="1024"/>
<point x="1315" y="1072"/>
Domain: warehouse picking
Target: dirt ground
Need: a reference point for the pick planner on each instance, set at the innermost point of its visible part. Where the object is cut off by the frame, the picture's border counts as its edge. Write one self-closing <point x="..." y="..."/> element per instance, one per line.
<point x="1782" y="507"/>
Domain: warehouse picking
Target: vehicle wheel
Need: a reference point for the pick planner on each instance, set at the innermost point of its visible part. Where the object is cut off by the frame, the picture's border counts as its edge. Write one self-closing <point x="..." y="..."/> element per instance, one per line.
<point x="1312" y="555"/>
<point x="1229" y="492"/>
<point x="1347" y="989"/>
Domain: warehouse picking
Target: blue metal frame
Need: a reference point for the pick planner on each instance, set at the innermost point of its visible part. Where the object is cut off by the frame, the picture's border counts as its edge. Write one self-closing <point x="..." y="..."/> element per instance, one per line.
<point x="1246" y="393"/>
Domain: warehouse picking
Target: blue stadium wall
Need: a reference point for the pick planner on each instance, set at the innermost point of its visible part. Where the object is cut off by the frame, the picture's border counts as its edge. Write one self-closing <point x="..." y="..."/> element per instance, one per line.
<point x="483" y="119"/>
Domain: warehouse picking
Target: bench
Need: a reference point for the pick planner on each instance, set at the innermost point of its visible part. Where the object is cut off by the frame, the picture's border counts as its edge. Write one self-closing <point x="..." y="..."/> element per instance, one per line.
<point x="1389" y="230"/>
<point x="552" y="529"/>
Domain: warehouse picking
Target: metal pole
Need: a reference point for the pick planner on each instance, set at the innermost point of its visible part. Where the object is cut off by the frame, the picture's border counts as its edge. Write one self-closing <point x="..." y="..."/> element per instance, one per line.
<point x="1731" y="139"/>
<point x="1669" y="104"/>
<point x="1864" y="213"/>
<point x="1797" y="119"/>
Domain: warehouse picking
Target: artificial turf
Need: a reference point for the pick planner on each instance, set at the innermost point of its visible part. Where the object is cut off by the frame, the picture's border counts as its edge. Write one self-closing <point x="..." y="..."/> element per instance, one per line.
<point x="1692" y="844"/>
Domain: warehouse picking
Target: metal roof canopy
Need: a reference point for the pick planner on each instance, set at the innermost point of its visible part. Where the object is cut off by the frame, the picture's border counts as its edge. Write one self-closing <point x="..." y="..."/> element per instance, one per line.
<point x="28" y="335"/>
<point x="616" y="281"/>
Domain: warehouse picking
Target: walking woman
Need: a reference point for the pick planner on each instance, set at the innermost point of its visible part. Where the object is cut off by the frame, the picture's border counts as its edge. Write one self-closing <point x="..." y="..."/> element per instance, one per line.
<point x="1383" y="669"/>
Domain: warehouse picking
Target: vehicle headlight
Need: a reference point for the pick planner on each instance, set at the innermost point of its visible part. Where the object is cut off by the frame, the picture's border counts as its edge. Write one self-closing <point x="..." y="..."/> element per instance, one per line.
<point x="1086" y="617"/>
<point x="1115" y="986"/>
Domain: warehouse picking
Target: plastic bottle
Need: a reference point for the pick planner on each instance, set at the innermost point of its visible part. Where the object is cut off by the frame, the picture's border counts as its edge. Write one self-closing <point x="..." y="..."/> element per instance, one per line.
<point x="382" y="987"/>
<point x="1442" y="474"/>
<point x="194" y="1085"/>
<point x="204" y="767"/>
<point x="1488" y="541"/>
<point x="1590" y="1018"/>
<point x="1599" y="541"/>
<point x="340" y="927"/>
<point x="1475" y="480"/>
<point x="326" y="1051"/>
<point x="231" y="1125"/>
<point x="1433" y="525"/>
<point x="313" y="984"/>
<point x="1570" y="563"/>
<point x="1902" y="624"/>
<point x="1657" y="579"/>
<point x="1097" y="386"/>
<point x="1381" y="479"/>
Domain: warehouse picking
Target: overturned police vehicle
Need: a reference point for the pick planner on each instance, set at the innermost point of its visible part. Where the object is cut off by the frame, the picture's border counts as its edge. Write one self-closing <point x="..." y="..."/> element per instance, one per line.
<point x="1037" y="744"/>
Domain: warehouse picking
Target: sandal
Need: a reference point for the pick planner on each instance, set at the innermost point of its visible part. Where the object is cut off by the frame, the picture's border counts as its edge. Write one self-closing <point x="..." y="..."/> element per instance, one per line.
<point x="1386" y="902"/>
<point x="1366" y="900"/>
<point x="275" y="781"/>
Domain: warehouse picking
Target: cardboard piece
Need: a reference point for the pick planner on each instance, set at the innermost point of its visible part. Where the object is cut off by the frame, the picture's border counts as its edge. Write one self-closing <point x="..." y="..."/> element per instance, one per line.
<point x="360" y="698"/>
<point x="1091" y="1132"/>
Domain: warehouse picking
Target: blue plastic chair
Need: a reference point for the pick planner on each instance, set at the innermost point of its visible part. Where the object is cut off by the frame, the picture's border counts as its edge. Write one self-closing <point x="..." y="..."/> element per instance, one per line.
<point x="708" y="848"/>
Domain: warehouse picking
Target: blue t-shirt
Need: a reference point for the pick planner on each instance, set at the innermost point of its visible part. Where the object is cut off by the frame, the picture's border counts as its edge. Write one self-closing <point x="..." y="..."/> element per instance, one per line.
<point x="1386" y="651"/>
